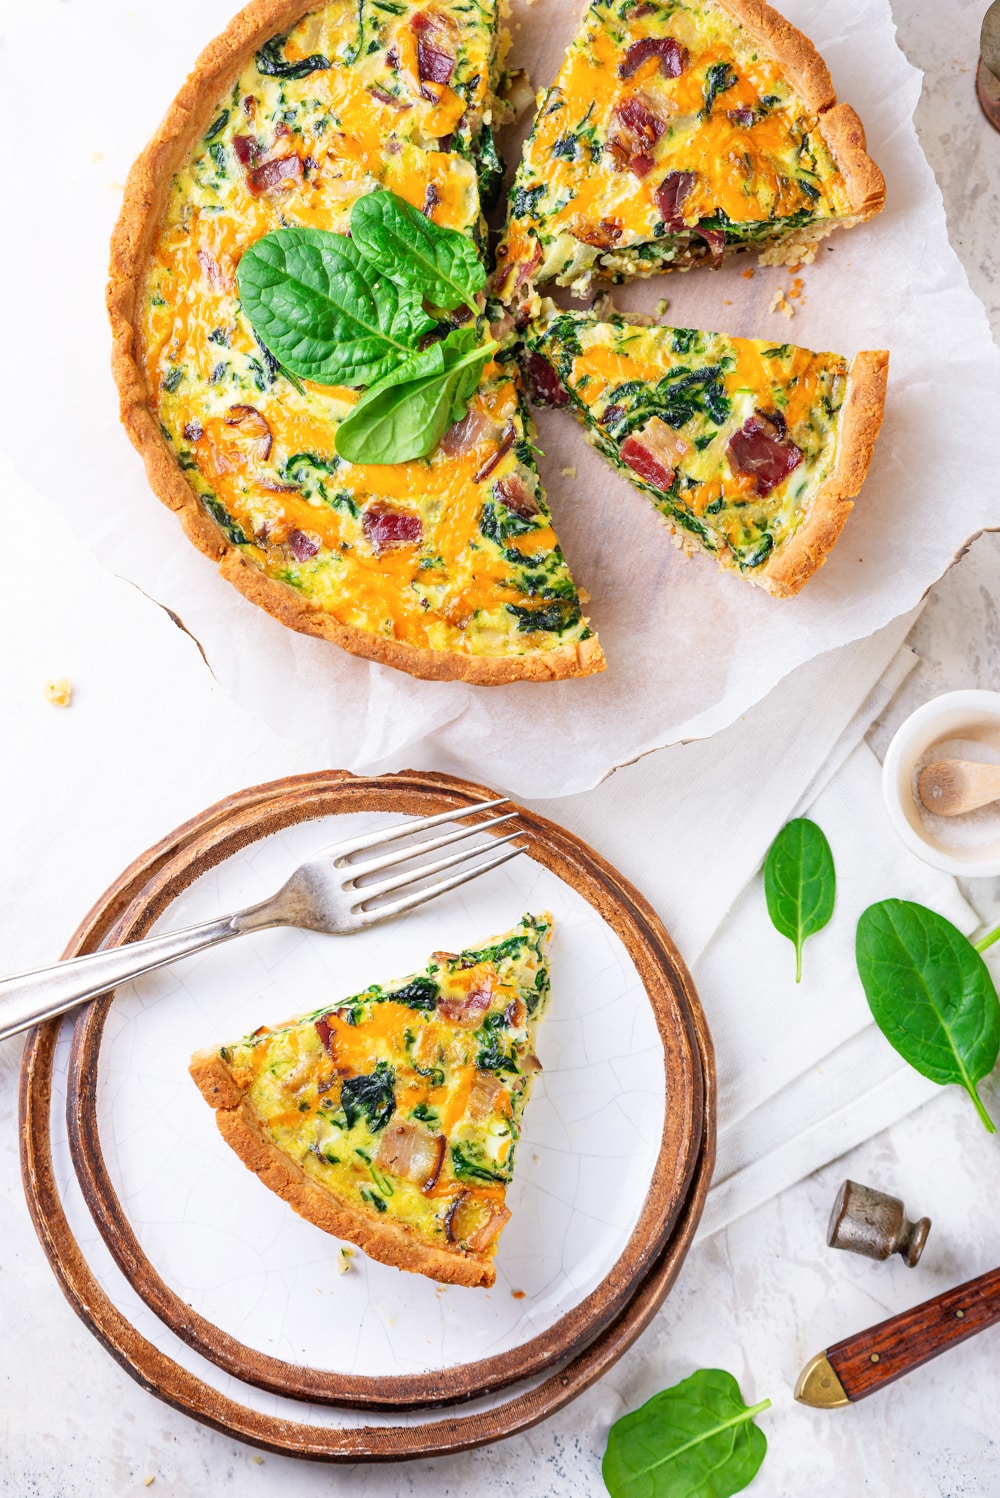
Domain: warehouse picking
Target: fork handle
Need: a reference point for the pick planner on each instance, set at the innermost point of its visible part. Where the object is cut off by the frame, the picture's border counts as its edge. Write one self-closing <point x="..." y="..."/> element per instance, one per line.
<point x="28" y="998"/>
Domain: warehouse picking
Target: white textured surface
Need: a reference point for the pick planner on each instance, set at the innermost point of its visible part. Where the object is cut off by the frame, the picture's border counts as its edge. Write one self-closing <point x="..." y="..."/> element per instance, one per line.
<point x="758" y="1298"/>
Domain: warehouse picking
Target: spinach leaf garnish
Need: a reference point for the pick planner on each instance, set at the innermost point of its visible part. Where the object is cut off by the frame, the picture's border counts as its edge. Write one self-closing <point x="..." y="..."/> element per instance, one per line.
<point x="931" y="994"/>
<point x="696" y="1438"/>
<point x="324" y="311"/>
<point x="800" y="883"/>
<point x="419" y="993"/>
<point x="271" y="60"/>
<point x="417" y="254"/>
<point x="718" y="79"/>
<point x="406" y="414"/>
<point x="372" y="1095"/>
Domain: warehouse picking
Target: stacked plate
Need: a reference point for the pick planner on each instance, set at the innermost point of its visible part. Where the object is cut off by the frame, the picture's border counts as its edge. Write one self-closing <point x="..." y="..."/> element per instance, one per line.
<point x="224" y="1303"/>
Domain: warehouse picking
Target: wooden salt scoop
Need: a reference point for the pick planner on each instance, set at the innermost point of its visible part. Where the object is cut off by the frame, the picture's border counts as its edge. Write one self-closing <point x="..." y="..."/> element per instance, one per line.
<point x="950" y="787"/>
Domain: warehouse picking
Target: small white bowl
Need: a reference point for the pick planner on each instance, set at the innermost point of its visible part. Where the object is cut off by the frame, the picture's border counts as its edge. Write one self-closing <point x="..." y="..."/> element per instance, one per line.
<point x="968" y="714"/>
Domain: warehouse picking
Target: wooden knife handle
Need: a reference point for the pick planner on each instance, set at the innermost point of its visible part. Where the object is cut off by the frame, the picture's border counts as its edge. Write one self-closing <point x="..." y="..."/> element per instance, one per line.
<point x="873" y="1358"/>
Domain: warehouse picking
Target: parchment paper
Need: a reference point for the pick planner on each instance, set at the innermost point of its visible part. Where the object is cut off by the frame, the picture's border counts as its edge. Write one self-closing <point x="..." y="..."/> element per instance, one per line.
<point x="689" y="649"/>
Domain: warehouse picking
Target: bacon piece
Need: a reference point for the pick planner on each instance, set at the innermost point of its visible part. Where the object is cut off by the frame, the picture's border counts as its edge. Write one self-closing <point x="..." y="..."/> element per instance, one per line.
<point x="412" y="1153"/>
<point x="385" y="527"/>
<point x="247" y="150"/>
<point x="654" y="452"/>
<point x="670" y="198"/>
<point x="254" y="427"/>
<point x="716" y="241"/>
<point x="504" y="447"/>
<point x="431" y="199"/>
<point x="433" y="64"/>
<point x="619" y="151"/>
<point x="325" y="1034"/>
<point x="672" y="56"/>
<point x="271" y="174"/>
<point x="514" y="493"/>
<point x="476" y="426"/>
<point x="544" y="384"/>
<point x="762" y="450"/>
<point x="604" y="235"/>
<point x="249" y="106"/>
<point x="742" y="116"/>
<point x="193" y="431"/>
<point x="384" y="97"/>
<point x="642" y="126"/>
<point x="611" y="415"/>
<point x="469" y="1008"/>
<point x="303" y="547"/>
<point x="641" y="165"/>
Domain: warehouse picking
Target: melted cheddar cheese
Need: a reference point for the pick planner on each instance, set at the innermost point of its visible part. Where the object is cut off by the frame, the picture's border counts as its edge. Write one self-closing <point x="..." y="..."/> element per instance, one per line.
<point x="427" y="553"/>
<point x="703" y="388"/>
<point x="666" y="124"/>
<point x="405" y="1101"/>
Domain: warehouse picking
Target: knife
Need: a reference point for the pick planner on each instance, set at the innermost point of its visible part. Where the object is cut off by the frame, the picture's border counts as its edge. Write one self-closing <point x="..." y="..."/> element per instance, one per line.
<point x="866" y="1362"/>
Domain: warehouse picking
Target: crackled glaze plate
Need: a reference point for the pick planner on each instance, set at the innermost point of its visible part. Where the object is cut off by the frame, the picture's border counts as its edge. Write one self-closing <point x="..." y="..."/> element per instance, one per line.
<point x="614" y="1134"/>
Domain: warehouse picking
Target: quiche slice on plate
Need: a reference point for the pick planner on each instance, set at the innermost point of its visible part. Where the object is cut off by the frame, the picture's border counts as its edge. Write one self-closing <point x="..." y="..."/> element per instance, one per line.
<point x="391" y="1118"/>
<point x="446" y="567"/>
<point x="676" y="132"/>
<point x="751" y="451"/>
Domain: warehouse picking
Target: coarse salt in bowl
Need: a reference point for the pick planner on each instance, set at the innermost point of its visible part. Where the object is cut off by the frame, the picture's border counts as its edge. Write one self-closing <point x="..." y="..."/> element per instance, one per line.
<point x="957" y="725"/>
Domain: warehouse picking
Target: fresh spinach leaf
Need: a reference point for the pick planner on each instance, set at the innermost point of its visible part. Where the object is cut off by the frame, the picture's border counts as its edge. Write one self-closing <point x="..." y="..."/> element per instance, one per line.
<point x="419" y="993"/>
<point x="405" y="415"/>
<point x="324" y="311"/>
<point x="470" y="1163"/>
<point x="931" y="994"/>
<point x="373" y="1095"/>
<point x="800" y="883"/>
<point x="493" y="1054"/>
<point x="719" y="78"/>
<point x="414" y="252"/>
<point x="697" y="1439"/>
<point x="272" y="61"/>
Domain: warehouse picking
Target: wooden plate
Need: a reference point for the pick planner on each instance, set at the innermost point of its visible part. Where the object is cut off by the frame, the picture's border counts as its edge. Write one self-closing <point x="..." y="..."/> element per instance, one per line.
<point x="655" y="1249"/>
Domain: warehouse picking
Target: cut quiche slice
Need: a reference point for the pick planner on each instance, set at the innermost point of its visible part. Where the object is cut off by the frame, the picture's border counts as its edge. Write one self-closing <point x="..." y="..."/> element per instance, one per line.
<point x="751" y="451"/>
<point x="678" y="130"/>
<point x="446" y="567"/>
<point x="391" y="1119"/>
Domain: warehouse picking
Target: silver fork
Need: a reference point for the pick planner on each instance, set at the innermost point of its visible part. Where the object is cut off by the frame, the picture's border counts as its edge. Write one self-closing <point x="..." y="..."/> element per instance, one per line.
<point x="324" y="894"/>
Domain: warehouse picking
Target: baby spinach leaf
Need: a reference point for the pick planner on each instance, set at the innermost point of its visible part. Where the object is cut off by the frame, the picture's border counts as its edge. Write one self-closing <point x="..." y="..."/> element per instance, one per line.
<point x="931" y="994"/>
<point x="272" y="61"/>
<point x="373" y="1095"/>
<point x="324" y="311"/>
<point x="694" y="1440"/>
<point x="440" y="264"/>
<point x="800" y="883"/>
<point x="407" y="413"/>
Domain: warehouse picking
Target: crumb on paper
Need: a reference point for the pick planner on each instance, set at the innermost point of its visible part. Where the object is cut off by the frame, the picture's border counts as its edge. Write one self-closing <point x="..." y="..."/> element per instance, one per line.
<point x="59" y="691"/>
<point x="748" y="274"/>
<point x="258" y="1459"/>
<point x="568" y="473"/>
<point x="343" y="1260"/>
<point x="517" y="1294"/>
<point x="662" y="306"/>
<point x="795" y="290"/>
<point x="97" y="156"/>
<point x="779" y="304"/>
<point x="147" y="1482"/>
<point x="727" y="302"/>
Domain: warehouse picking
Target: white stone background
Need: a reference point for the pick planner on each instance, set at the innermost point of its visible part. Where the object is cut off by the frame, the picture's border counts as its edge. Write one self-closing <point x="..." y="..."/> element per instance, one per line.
<point x="759" y="1298"/>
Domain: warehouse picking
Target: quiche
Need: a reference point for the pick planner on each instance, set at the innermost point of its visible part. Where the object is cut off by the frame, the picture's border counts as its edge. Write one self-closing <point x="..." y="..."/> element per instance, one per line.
<point x="678" y="131"/>
<point x="445" y="566"/>
<point x="751" y="451"/>
<point x="391" y="1118"/>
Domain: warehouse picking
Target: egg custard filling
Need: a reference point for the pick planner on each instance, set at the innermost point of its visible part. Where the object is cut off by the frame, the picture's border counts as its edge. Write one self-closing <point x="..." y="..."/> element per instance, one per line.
<point x="751" y="451"/>
<point x="391" y="1118"/>
<point x="675" y="131"/>
<point x="446" y="566"/>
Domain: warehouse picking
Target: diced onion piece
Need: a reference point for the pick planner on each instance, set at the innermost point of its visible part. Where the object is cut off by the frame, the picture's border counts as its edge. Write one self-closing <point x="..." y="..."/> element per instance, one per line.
<point x="514" y="494"/>
<point x="475" y="427"/>
<point x="671" y="56"/>
<point x="483" y="1098"/>
<point x="279" y="171"/>
<point x="475" y="1220"/>
<point x="496" y="457"/>
<point x="411" y="1152"/>
<point x="253" y="426"/>
<point x="467" y="1008"/>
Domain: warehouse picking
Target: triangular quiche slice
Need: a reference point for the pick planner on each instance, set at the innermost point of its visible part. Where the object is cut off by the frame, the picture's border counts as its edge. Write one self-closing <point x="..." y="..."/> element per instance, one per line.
<point x="391" y="1118"/>
<point x="445" y="567"/>
<point x="678" y="131"/>
<point x="751" y="451"/>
